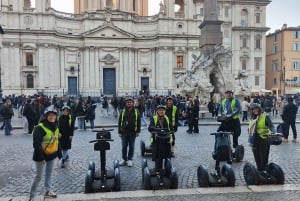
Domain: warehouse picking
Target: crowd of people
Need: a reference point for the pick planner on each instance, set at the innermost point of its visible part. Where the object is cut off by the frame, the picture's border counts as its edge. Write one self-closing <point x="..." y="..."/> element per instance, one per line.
<point x="52" y="119"/>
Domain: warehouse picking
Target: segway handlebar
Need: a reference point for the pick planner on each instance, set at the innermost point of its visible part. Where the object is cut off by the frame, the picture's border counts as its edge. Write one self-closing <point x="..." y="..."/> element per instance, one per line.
<point x="101" y="140"/>
<point x="103" y="130"/>
<point x="222" y="132"/>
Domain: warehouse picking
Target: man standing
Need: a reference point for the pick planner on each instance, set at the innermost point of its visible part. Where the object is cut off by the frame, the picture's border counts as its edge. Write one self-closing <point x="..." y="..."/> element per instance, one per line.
<point x="172" y="114"/>
<point x="129" y="127"/>
<point x="289" y="118"/>
<point x="230" y="108"/>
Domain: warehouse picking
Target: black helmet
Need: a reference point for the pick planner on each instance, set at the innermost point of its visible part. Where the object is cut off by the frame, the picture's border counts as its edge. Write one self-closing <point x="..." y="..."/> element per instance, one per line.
<point x="169" y="98"/>
<point x="160" y="107"/>
<point x="229" y="91"/>
<point x="128" y="98"/>
<point x="255" y="105"/>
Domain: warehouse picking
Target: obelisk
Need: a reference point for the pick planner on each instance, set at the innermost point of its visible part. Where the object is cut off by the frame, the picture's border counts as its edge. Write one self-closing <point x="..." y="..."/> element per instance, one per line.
<point x="210" y="27"/>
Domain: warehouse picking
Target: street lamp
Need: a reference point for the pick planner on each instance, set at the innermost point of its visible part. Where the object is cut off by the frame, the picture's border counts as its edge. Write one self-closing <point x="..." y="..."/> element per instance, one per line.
<point x="78" y="72"/>
<point x="1" y="101"/>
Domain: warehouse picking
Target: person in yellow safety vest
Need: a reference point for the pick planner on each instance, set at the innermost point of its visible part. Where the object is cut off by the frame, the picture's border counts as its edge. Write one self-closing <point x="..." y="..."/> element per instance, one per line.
<point x="129" y="127"/>
<point x="230" y="108"/>
<point x="260" y="127"/>
<point x="160" y="150"/>
<point x="66" y="127"/>
<point x="45" y="134"/>
<point x="172" y="114"/>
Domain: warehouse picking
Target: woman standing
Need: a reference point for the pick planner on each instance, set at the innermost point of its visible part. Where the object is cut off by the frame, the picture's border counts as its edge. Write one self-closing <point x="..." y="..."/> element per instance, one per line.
<point x="46" y="150"/>
<point x="7" y="113"/>
<point x="66" y="128"/>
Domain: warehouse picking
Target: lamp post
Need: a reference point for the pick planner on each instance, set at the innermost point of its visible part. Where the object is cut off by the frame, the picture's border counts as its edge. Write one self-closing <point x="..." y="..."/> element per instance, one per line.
<point x="1" y="32"/>
<point x="78" y="72"/>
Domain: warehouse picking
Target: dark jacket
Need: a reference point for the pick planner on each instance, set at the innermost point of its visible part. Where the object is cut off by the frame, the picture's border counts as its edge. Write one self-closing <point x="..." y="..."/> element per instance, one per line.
<point x="6" y="112"/>
<point x="66" y="130"/>
<point x="38" y="134"/>
<point x="289" y="112"/>
<point x="126" y="125"/>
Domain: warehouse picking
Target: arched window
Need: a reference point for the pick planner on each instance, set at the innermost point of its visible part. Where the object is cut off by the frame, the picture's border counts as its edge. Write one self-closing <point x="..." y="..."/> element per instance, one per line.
<point x="179" y="6"/>
<point x="29" y="81"/>
<point x="244" y="18"/>
<point x="110" y="3"/>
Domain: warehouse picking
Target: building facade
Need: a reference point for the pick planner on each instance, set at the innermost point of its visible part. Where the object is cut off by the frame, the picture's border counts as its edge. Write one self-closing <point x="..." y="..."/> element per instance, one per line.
<point x="283" y="60"/>
<point x="140" y="7"/>
<point x="113" y="51"/>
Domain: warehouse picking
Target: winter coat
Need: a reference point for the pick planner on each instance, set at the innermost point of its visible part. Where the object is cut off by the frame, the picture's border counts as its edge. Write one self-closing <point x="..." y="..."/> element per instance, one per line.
<point x="66" y="128"/>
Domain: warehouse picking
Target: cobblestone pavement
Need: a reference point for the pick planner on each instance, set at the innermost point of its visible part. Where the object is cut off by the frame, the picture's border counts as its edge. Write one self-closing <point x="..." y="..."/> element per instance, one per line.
<point x="17" y="167"/>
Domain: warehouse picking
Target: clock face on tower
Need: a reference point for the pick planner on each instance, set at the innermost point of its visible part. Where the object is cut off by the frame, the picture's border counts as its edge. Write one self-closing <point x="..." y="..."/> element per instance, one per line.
<point x="28" y="20"/>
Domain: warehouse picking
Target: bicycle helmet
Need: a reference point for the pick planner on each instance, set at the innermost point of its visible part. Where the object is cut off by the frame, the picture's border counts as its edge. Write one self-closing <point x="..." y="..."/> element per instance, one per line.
<point x="128" y="98"/>
<point x="160" y="107"/>
<point x="255" y="105"/>
<point x="229" y="91"/>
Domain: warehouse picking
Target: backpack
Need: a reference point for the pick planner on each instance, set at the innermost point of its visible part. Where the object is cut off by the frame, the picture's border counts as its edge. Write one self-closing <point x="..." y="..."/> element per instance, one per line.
<point x="222" y="150"/>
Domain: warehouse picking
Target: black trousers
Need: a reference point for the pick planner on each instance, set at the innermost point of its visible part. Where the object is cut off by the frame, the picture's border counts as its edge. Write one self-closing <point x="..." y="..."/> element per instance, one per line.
<point x="286" y="129"/>
<point x="261" y="149"/>
<point x="232" y="125"/>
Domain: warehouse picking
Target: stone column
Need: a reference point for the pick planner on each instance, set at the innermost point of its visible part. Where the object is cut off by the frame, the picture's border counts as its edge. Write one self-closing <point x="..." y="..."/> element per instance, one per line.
<point x="210" y="28"/>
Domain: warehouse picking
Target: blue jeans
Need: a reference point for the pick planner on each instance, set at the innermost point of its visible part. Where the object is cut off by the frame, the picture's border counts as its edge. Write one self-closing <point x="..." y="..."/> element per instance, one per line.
<point x="128" y="140"/>
<point x="7" y="126"/>
<point x="65" y="154"/>
<point x="80" y="123"/>
<point x="92" y="123"/>
<point x="48" y="166"/>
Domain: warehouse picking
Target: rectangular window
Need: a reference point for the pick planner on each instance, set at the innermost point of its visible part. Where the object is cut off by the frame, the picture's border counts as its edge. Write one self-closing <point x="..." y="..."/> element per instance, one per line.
<point x="296" y="65"/>
<point x="275" y="67"/>
<point x="296" y="47"/>
<point x="296" y="34"/>
<point x="256" y="80"/>
<point x="226" y="11"/>
<point x="274" y="81"/>
<point x="244" y="64"/>
<point x="29" y="59"/>
<point x="274" y="49"/>
<point x="244" y="42"/>
<point x="275" y="37"/>
<point x="179" y="61"/>
<point x="201" y="12"/>
<point x="257" y="17"/>
<point x="257" y="64"/>
<point x="257" y="44"/>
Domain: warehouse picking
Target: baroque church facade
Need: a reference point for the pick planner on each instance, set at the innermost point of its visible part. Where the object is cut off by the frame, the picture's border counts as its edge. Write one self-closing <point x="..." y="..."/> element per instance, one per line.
<point x="115" y="49"/>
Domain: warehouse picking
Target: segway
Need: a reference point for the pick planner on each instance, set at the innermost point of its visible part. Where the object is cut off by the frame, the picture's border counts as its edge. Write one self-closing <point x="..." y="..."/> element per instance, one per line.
<point x="238" y="154"/>
<point x="222" y="152"/>
<point x="103" y="179"/>
<point x="167" y="176"/>
<point x="273" y="173"/>
<point x="145" y="150"/>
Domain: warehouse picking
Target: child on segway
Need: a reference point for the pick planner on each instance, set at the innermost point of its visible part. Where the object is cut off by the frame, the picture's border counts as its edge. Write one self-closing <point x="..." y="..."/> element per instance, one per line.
<point x="161" y="138"/>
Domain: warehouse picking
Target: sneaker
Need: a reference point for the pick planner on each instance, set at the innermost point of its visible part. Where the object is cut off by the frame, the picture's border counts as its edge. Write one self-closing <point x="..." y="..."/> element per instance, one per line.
<point x="129" y="163"/>
<point x="50" y="194"/>
<point x="294" y="140"/>
<point x="63" y="163"/>
<point x="122" y="162"/>
<point x="285" y="140"/>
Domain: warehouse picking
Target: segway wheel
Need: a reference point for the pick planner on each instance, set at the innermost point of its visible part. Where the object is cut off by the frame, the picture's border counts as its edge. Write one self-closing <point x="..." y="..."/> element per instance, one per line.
<point x="117" y="182"/>
<point x="168" y="167"/>
<point x="250" y="174"/>
<point x="147" y="179"/>
<point x="228" y="173"/>
<point x="174" y="179"/>
<point x="88" y="188"/>
<point x="116" y="164"/>
<point x="143" y="148"/>
<point x="239" y="153"/>
<point x="144" y="164"/>
<point x="276" y="171"/>
<point x="91" y="166"/>
<point x="202" y="175"/>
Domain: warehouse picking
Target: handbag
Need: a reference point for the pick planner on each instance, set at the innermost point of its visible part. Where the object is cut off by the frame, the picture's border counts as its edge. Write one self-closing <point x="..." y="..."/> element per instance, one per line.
<point x="275" y="139"/>
<point x="51" y="148"/>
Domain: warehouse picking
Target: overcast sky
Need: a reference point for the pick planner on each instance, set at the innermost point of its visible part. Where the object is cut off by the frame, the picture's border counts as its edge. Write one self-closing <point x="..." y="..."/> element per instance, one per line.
<point x="279" y="12"/>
